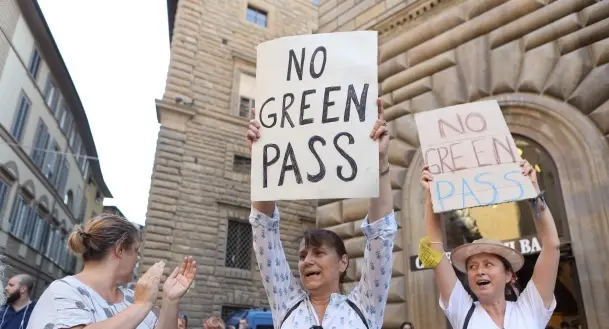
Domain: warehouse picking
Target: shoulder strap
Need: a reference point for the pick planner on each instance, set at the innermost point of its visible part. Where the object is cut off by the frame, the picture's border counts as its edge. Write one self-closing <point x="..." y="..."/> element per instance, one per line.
<point x="290" y="312"/>
<point x="469" y="315"/>
<point x="359" y="312"/>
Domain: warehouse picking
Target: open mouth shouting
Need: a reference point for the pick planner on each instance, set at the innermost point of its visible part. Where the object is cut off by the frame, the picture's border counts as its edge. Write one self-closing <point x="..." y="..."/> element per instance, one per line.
<point x="482" y="282"/>
<point x="312" y="274"/>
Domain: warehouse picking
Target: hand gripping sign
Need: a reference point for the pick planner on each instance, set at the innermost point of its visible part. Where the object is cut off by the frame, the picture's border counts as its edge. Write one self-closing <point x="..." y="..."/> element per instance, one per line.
<point x="472" y="157"/>
<point x="316" y="104"/>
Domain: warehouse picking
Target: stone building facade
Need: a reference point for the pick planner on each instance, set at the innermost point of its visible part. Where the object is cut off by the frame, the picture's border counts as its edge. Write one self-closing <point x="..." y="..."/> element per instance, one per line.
<point x="50" y="178"/>
<point x="547" y="64"/>
<point x="199" y="198"/>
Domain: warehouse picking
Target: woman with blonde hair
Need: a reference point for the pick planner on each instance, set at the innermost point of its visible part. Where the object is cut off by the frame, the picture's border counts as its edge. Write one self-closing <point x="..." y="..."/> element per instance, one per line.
<point x="94" y="298"/>
<point x="213" y="322"/>
<point x="490" y="269"/>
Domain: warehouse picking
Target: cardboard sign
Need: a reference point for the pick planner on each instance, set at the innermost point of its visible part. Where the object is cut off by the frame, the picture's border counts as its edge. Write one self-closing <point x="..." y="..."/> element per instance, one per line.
<point x="316" y="102"/>
<point x="526" y="246"/>
<point x="472" y="157"/>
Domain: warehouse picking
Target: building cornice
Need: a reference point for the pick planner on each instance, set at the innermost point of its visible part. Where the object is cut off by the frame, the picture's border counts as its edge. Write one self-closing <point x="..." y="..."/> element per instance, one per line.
<point x="175" y="116"/>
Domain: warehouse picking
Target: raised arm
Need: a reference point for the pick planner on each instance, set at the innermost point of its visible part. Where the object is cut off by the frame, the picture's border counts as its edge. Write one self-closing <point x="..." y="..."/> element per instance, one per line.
<point x="379" y="227"/>
<point x="546" y="268"/>
<point x="281" y="287"/>
<point x="444" y="272"/>
<point x="175" y="287"/>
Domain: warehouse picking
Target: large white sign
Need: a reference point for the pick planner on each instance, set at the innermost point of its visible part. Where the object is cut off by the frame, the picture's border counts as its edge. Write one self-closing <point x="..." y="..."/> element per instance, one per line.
<point x="316" y="103"/>
<point x="472" y="156"/>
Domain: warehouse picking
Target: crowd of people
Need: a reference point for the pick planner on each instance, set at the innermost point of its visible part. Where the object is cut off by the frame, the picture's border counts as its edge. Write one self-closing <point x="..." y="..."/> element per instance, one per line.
<point x="96" y="298"/>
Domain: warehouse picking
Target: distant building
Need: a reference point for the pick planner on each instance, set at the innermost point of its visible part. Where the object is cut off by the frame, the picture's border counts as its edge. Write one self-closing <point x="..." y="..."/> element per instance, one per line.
<point x="50" y="178"/>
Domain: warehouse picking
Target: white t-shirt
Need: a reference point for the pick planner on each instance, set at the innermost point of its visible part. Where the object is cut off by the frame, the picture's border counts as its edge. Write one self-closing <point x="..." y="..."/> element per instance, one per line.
<point x="526" y="313"/>
<point x="68" y="302"/>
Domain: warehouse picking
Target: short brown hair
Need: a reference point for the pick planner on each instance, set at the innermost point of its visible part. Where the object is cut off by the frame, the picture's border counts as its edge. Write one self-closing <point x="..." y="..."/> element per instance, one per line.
<point x="319" y="237"/>
<point x="100" y="235"/>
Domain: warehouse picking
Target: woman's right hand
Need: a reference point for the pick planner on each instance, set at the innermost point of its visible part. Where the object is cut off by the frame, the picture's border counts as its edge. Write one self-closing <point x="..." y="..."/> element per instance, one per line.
<point x="426" y="179"/>
<point x="147" y="287"/>
<point x="252" y="132"/>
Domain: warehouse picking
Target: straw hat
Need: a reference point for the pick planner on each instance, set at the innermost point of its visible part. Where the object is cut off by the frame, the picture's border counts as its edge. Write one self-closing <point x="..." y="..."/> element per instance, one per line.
<point x="460" y="255"/>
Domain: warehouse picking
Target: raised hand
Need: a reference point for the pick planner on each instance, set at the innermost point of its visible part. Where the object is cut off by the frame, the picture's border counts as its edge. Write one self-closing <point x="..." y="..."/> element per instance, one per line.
<point x="380" y="131"/>
<point x="180" y="279"/>
<point x="528" y="170"/>
<point x="252" y="132"/>
<point x="147" y="287"/>
<point x="426" y="179"/>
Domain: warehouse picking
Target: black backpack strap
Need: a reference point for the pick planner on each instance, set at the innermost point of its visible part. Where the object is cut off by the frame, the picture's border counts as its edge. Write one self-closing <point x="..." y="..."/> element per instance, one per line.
<point x="359" y="312"/>
<point x="290" y="312"/>
<point x="469" y="316"/>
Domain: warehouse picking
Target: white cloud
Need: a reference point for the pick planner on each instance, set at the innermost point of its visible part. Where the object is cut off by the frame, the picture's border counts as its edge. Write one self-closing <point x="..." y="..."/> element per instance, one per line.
<point x="117" y="52"/>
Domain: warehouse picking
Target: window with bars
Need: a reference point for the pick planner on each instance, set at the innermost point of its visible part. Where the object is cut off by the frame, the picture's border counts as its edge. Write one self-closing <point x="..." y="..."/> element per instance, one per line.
<point x="245" y="104"/>
<point x="34" y="65"/>
<point x="23" y="109"/>
<point x="256" y="16"/>
<point x="242" y="164"/>
<point x="238" y="245"/>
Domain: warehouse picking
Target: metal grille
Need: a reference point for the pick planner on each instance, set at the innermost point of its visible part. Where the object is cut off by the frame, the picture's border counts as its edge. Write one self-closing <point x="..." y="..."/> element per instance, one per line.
<point x="242" y="164"/>
<point x="245" y="104"/>
<point x="238" y="245"/>
<point x="229" y="311"/>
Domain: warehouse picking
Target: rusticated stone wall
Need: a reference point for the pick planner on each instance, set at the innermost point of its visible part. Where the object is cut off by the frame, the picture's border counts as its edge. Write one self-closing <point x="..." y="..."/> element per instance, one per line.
<point x="195" y="187"/>
<point x="546" y="62"/>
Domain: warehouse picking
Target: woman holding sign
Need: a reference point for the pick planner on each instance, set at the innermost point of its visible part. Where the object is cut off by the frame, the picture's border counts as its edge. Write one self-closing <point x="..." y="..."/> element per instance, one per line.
<point x="490" y="268"/>
<point x="315" y="300"/>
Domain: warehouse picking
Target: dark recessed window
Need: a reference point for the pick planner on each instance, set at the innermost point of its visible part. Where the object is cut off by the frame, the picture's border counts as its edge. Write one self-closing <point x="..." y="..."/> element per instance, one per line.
<point x="242" y="164"/>
<point x="256" y="16"/>
<point x="238" y="245"/>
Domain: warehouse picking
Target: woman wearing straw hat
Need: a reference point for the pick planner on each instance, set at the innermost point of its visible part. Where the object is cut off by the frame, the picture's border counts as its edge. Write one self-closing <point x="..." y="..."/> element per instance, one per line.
<point x="489" y="267"/>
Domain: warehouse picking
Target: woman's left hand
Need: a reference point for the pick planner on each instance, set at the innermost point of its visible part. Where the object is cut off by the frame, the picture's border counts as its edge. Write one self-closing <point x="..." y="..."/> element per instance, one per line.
<point x="528" y="170"/>
<point x="180" y="280"/>
<point x="380" y="131"/>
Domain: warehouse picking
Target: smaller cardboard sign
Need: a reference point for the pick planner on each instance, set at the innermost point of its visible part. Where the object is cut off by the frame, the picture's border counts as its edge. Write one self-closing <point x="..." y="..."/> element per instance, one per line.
<point x="526" y="246"/>
<point x="472" y="156"/>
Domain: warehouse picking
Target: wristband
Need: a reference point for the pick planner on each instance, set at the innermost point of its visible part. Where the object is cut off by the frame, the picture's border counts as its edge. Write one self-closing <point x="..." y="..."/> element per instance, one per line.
<point x="429" y="257"/>
<point x="534" y="203"/>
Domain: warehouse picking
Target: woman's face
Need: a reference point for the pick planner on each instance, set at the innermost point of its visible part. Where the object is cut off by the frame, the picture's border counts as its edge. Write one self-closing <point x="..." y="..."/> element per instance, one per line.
<point x="320" y="267"/>
<point x="128" y="259"/>
<point x="487" y="276"/>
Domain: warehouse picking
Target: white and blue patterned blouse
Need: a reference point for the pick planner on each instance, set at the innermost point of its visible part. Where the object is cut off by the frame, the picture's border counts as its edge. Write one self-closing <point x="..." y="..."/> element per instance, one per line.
<point x="284" y="290"/>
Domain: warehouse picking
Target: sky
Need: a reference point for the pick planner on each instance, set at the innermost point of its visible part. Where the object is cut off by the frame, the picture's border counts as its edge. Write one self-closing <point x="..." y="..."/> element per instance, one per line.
<point x="117" y="52"/>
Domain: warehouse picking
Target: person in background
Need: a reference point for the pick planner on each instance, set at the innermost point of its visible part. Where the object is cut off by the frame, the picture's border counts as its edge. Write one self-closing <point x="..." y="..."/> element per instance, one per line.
<point x="182" y="321"/>
<point x="490" y="269"/>
<point x="15" y="314"/>
<point x="213" y="322"/>
<point x="94" y="298"/>
<point x="407" y="325"/>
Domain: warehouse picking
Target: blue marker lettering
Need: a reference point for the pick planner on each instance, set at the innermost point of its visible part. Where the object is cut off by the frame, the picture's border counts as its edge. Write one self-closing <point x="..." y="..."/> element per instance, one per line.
<point x="441" y="198"/>
<point x="464" y="185"/>
<point x="515" y="182"/>
<point x="495" y="191"/>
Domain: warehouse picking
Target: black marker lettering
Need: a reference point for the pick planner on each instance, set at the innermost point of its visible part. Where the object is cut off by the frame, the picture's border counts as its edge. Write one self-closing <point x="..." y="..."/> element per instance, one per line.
<point x="322" y="168"/>
<point x="266" y="162"/>
<point x="360" y="105"/>
<point x="339" y="169"/>
<point x="284" y="109"/>
<point x="270" y="116"/>
<point x="289" y="153"/>
<point x="303" y="106"/>
<point x="298" y="65"/>
<point x="327" y="104"/>
<point x="323" y="64"/>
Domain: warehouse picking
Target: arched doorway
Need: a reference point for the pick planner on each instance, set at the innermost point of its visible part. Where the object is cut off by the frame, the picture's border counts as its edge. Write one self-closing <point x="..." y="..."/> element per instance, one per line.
<point x="514" y="224"/>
